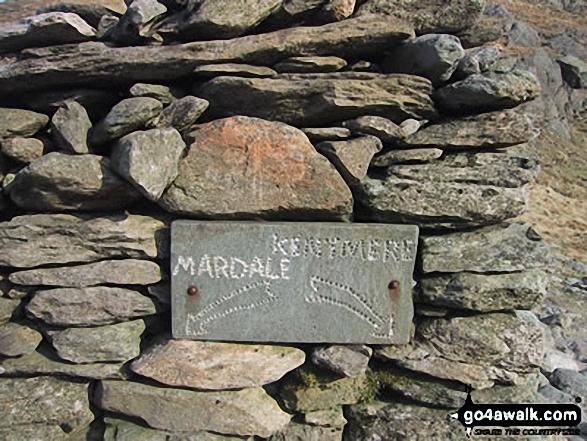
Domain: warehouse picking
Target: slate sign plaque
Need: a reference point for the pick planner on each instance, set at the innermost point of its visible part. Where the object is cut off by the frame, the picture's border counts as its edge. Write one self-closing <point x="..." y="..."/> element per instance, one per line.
<point x="292" y="282"/>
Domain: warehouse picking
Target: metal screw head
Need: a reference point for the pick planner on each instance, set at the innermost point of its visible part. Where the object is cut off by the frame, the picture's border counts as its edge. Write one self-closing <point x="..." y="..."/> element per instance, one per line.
<point x="393" y="285"/>
<point x="193" y="290"/>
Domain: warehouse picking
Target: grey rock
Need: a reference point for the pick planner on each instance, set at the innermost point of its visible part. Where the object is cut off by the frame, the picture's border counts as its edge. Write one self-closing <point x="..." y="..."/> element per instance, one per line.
<point x="24" y="150"/>
<point x="477" y="60"/>
<point x="19" y="292"/>
<point x="106" y="27"/>
<point x="92" y="306"/>
<point x="484" y="292"/>
<point x="411" y="126"/>
<point x="318" y="99"/>
<point x="181" y="114"/>
<point x="41" y="239"/>
<point x="164" y="94"/>
<point x="125" y="117"/>
<point x="351" y="361"/>
<point x="36" y="432"/>
<point x="7" y="308"/>
<point x="19" y="122"/>
<point x="415" y="156"/>
<point x="570" y="382"/>
<point x="525" y="391"/>
<point x="326" y="418"/>
<point x="326" y="134"/>
<point x="488" y="130"/>
<point x="58" y="181"/>
<point x="226" y="19"/>
<point x="555" y="359"/>
<point x="18" y="340"/>
<point x="434" y="56"/>
<point x="304" y="432"/>
<point x="579" y="347"/>
<point x="521" y="34"/>
<point x="574" y="71"/>
<point x="554" y="395"/>
<point x="46" y="406"/>
<point x="244" y="412"/>
<point x="485" y="30"/>
<point x="336" y="10"/>
<point x="46" y="29"/>
<point x="387" y="131"/>
<point x="351" y="158"/>
<point x="119" y="342"/>
<point x="187" y="363"/>
<point x="149" y="160"/>
<point x="233" y="70"/>
<point x="501" y="248"/>
<point x="70" y="126"/>
<point x="109" y="272"/>
<point x="310" y="65"/>
<point x="488" y="91"/>
<point x="134" y="26"/>
<point x="90" y="13"/>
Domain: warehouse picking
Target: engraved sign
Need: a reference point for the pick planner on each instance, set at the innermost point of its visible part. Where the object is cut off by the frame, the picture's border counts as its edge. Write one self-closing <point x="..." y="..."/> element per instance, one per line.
<point x="292" y="282"/>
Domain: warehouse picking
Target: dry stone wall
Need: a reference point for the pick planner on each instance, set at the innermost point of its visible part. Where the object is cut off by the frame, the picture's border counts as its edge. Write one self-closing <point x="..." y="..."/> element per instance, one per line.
<point x="113" y="126"/>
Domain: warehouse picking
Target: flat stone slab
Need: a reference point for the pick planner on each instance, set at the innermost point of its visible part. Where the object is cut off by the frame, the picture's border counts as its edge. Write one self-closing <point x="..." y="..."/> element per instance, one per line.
<point x="292" y="282"/>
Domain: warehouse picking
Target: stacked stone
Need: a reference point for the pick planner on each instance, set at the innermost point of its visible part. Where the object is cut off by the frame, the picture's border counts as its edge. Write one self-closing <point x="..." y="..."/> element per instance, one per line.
<point x="110" y="137"/>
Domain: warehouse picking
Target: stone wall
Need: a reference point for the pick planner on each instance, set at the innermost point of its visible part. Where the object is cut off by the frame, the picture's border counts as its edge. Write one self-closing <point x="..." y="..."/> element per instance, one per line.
<point x="114" y="126"/>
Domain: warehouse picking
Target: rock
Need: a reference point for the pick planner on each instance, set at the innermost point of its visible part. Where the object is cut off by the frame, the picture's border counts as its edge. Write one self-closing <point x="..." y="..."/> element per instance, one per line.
<point x="304" y="432"/>
<point x="244" y="412"/>
<point x="149" y="160"/>
<point x="32" y="432"/>
<point x="135" y="25"/>
<point x="125" y="117"/>
<point x="58" y="181"/>
<point x="351" y="158"/>
<point x="24" y="150"/>
<point x="574" y="71"/>
<point x="43" y="405"/>
<point x="181" y="114"/>
<point x="18" y="340"/>
<point x="19" y="122"/>
<point x="90" y="13"/>
<point x="310" y="65"/>
<point x="525" y="391"/>
<point x="225" y="19"/>
<point x="336" y="10"/>
<point x="318" y="99"/>
<point x="579" y="347"/>
<point x="161" y="93"/>
<point x="429" y="16"/>
<point x="434" y="56"/>
<point x="47" y="29"/>
<point x="208" y="71"/>
<point x="351" y="361"/>
<point x="498" y="248"/>
<point x="97" y="65"/>
<point x="70" y="126"/>
<point x="249" y="168"/>
<point x="555" y="359"/>
<point x="109" y="272"/>
<point x="415" y="156"/>
<point x="553" y="395"/>
<point x="93" y="306"/>
<point x="19" y="292"/>
<point x="411" y="126"/>
<point x="488" y="91"/>
<point x="485" y="292"/>
<point x="326" y="418"/>
<point x="521" y="34"/>
<point x="161" y="291"/>
<point x="387" y="131"/>
<point x="41" y="239"/>
<point x="120" y="342"/>
<point x="488" y="130"/>
<point x="477" y="60"/>
<point x="106" y="27"/>
<point x="7" y="308"/>
<point x="216" y="365"/>
<point x="485" y="30"/>
<point x="570" y="382"/>
<point x="327" y="134"/>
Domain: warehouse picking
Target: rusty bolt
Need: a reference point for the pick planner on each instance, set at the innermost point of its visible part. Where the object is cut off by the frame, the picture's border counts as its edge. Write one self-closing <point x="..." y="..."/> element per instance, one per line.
<point x="393" y="285"/>
<point x="193" y="290"/>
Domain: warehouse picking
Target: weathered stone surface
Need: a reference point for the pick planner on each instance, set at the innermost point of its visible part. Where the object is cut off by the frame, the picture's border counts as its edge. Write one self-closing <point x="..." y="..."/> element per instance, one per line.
<point x="44" y="30"/>
<point x="134" y="26"/>
<point x="93" y="306"/>
<point x="245" y="167"/>
<point x="304" y="432"/>
<point x="411" y="126"/>
<point x="310" y="65"/>
<point x="34" y="432"/>
<point x="477" y="350"/>
<point x="434" y="56"/>
<point x="98" y="65"/>
<point x="226" y="19"/>
<point x="488" y="91"/>
<point x="110" y="343"/>
<point x="90" y="13"/>
<point x="387" y="131"/>
<point x="570" y="382"/>
<point x="336" y="10"/>
<point x="57" y="182"/>
<point x="17" y="340"/>
<point x="477" y="60"/>
<point x="327" y="134"/>
<point x="149" y="160"/>
<point x="24" y="150"/>
<point x="43" y="407"/>
<point x="351" y="158"/>
<point x="488" y="130"/>
<point x="39" y="239"/>
<point x="244" y="412"/>
<point x="351" y="361"/>
<point x="502" y="248"/>
<point x="7" y="308"/>
<point x="181" y="114"/>
<point x="70" y="126"/>
<point x="414" y="156"/>
<point x="525" y="391"/>
<point x="125" y="117"/>
<point x="161" y="93"/>
<point x="19" y="122"/>
<point x="574" y="71"/>
<point x="233" y="70"/>
<point x="216" y="365"/>
<point x="429" y="16"/>
<point x="318" y="99"/>
<point x="326" y="418"/>
<point x="484" y="292"/>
